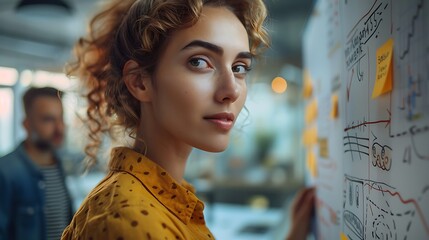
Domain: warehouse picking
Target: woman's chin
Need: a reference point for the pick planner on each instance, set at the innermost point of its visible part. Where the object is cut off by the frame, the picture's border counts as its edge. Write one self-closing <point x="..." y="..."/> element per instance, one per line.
<point x="214" y="148"/>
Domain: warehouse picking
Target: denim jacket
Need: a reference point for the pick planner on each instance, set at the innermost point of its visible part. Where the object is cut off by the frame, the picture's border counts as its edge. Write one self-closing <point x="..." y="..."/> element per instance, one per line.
<point x="22" y="198"/>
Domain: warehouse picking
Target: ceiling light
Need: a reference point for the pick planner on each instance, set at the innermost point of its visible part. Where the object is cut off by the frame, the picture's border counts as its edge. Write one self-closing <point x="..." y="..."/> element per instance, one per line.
<point x="279" y="85"/>
<point x="44" y="8"/>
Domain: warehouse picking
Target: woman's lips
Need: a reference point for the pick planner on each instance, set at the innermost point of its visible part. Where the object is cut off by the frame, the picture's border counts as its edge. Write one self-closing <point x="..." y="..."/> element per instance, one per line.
<point x="223" y="121"/>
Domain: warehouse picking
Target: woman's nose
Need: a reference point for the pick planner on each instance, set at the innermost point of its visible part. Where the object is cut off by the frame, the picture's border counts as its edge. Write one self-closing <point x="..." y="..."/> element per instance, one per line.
<point x="227" y="90"/>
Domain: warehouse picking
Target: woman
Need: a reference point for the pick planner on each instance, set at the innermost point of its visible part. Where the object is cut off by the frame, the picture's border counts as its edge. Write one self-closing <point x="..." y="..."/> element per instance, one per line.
<point x="172" y="73"/>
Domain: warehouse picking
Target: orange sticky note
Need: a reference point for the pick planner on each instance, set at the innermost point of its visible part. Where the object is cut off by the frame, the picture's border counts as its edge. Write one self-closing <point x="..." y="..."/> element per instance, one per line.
<point x="311" y="163"/>
<point x="307" y="88"/>
<point x="310" y="136"/>
<point x="334" y="106"/>
<point x="343" y="236"/>
<point x="311" y="111"/>
<point x="384" y="69"/>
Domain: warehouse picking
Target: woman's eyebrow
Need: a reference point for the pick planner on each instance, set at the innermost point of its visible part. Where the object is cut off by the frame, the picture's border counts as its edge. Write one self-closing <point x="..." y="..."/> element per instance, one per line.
<point x="210" y="46"/>
<point x="215" y="48"/>
<point x="245" y="55"/>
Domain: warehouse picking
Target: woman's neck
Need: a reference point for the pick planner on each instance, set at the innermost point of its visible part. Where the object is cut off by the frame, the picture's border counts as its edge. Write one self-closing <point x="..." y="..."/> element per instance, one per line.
<point x="162" y="149"/>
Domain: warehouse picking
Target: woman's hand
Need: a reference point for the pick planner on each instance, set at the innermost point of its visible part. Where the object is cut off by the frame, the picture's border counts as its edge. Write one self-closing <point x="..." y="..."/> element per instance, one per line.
<point x="301" y="211"/>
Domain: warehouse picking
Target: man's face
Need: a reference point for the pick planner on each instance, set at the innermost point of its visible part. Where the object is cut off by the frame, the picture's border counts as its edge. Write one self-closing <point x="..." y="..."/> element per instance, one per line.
<point x="44" y="123"/>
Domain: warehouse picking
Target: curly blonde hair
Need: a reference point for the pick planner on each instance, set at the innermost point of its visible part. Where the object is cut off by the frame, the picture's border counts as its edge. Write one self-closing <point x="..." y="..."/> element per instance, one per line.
<point x="136" y="30"/>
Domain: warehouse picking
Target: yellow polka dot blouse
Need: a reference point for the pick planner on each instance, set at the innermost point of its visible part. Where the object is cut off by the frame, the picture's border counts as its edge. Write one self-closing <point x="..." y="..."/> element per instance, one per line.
<point x="138" y="200"/>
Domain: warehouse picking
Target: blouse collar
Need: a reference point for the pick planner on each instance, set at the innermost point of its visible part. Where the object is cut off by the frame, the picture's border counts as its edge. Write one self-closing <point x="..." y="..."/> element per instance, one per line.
<point x="178" y="198"/>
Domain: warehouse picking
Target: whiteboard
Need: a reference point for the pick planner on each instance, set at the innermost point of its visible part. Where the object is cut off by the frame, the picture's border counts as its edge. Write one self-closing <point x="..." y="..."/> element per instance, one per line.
<point x="371" y="155"/>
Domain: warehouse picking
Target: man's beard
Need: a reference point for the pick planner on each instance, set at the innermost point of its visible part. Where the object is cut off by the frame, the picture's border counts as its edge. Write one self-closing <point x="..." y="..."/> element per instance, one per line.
<point x="43" y="144"/>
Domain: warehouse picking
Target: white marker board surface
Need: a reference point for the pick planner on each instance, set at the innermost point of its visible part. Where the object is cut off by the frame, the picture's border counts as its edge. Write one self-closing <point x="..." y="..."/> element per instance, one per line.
<point x="368" y="64"/>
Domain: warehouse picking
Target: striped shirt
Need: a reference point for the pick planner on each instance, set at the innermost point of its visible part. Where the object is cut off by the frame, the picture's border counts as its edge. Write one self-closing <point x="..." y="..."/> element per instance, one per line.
<point x="57" y="202"/>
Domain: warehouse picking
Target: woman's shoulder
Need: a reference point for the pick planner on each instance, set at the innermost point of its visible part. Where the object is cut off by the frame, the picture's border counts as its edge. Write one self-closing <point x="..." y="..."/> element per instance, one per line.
<point x="142" y="221"/>
<point x="118" y="207"/>
<point x="117" y="192"/>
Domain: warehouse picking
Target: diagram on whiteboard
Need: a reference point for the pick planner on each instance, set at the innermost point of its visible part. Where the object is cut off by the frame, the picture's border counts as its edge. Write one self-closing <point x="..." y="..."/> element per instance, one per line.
<point x="380" y="62"/>
<point x="381" y="211"/>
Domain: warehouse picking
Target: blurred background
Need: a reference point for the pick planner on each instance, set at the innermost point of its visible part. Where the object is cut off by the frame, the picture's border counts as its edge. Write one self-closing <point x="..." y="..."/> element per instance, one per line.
<point x="247" y="188"/>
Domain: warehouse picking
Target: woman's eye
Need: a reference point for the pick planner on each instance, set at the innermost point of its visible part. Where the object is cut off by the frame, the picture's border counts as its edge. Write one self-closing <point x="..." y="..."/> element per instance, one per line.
<point x="198" y="63"/>
<point x="240" y="69"/>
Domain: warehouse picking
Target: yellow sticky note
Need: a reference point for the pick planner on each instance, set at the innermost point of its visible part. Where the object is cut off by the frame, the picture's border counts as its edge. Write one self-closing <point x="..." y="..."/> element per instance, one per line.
<point x="343" y="236"/>
<point x="334" y="106"/>
<point x="311" y="163"/>
<point x="311" y="111"/>
<point x="384" y="69"/>
<point x="310" y="136"/>
<point x="323" y="147"/>
<point x="307" y="88"/>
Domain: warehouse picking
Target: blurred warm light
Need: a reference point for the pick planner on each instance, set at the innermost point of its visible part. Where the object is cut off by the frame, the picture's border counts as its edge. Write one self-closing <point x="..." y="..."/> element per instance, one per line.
<point x="6" y="120"/>
<point x="6" y="104"/>
<point x="279" y="85"/>
<point x="8" y="76"/>
<point x="57" y="80"/>
<point x="26" y="78"/>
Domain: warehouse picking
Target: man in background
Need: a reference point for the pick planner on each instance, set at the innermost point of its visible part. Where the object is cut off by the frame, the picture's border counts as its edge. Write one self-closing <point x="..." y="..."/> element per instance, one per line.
<point x="34" y="202"/>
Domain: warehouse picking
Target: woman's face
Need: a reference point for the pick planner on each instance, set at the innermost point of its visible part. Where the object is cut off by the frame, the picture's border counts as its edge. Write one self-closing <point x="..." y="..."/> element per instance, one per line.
<point x="199" y="83"/>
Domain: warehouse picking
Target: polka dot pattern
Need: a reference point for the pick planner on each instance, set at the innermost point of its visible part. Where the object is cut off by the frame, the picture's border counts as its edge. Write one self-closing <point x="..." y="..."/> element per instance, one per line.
<point x="139" y="200"/>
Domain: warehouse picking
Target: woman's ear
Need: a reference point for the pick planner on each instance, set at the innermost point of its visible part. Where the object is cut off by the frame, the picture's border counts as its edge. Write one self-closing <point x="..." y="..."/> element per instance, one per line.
<point x="137" y="81"/>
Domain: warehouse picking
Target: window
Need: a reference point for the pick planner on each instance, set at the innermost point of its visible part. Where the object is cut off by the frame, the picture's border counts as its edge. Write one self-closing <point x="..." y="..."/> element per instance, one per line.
<point x="6" y="120"/>
<point x="8" y="76"/>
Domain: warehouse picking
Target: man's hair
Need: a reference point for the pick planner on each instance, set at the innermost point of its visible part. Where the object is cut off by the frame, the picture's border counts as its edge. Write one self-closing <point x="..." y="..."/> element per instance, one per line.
<point x="33" y="93"/>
